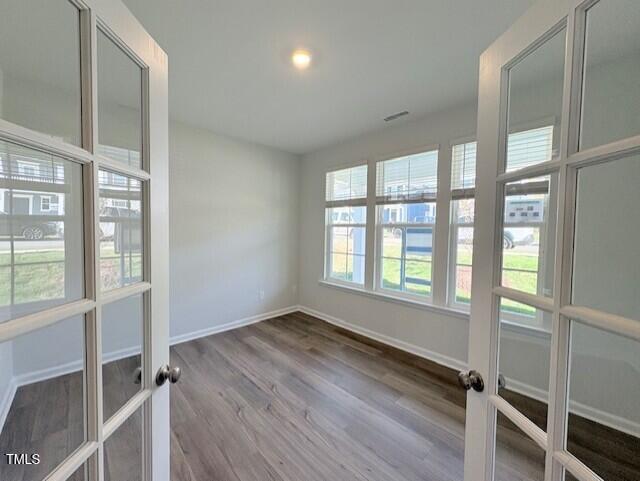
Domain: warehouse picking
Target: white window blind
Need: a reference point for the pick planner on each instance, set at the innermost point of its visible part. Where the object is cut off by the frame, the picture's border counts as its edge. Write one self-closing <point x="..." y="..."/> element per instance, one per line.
<point x="347" y="187"/>
<point x="463" y="170"/>
<point x="413" y="178"/>
<point x="529" y="147"/>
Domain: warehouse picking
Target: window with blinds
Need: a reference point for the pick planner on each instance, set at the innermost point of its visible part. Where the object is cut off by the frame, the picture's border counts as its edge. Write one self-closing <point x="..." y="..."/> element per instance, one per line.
<point x="406" y="189"/>
<point x="345" y="223"/>
<point x="463" y="182"/>
<point x="529" y="147"/>
<point x="347" y="187"/>
<point x="463" y="170"/>
<point x="413" y="178"/>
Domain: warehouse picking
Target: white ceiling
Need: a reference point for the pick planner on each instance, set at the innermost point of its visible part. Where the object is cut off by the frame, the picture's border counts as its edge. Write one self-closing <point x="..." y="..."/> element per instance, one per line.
<point x="230" y="70"/>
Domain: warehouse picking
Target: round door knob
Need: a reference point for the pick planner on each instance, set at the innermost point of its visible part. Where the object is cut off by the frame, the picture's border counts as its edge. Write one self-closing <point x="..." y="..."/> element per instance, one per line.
<point x="168" y="373"/>
<point x="471" y="379"/>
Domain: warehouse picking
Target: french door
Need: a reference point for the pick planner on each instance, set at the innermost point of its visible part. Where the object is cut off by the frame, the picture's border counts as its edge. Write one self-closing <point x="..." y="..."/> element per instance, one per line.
<point x="555" y="322"/>
<point x="83" y="244"/>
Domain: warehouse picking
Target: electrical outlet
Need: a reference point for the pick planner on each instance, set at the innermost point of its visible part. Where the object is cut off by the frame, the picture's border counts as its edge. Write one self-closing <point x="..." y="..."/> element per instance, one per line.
<point x="261" y="294"/>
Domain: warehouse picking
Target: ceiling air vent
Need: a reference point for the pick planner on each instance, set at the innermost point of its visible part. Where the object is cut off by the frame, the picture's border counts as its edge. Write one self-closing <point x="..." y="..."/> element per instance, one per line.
<point x="396" y="116"/>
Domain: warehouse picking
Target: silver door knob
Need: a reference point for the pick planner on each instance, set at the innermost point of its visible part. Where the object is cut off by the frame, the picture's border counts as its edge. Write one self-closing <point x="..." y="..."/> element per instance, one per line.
<point x="168" y="373"/>
<point x="471" y="379"/>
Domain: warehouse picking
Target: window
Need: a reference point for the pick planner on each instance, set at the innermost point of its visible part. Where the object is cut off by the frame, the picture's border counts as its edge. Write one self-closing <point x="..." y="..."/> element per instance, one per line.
<point x="406" y="189"/>
<point x="45" y="203"/>
<point x="463" y="180"/>
<point x="345" y="221"/>
<point x="400" y="261"/>
<point x="27" y="169"/>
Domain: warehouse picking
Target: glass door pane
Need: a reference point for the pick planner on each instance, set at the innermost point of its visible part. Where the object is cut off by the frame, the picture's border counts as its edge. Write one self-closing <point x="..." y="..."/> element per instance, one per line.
<point x="119" y="104"/>
<point x="606" y="266"/>
<point x="121" y="352"/>
<point x="123" y="451"/>
<point x="611" y="93"/>
<point x="46" y="416"/>
<point x="535" y="105"/>
<point x="523" y="362"/>
<point x="517" y="456"/>
<point x="41" y="231"/>
<point x="528" y="235"/>
<point x="40" y="66"/>
<point x="604" y="391"/>
<point x="120" y="230"/>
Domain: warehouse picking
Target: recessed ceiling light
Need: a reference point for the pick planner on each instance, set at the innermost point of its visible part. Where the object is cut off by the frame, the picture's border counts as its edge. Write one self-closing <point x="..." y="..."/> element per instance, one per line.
<point x="301" y="59"/>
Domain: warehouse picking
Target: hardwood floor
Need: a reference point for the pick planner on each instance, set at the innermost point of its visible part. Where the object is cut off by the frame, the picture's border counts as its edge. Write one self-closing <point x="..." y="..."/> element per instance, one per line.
<point x="294" y="398"/>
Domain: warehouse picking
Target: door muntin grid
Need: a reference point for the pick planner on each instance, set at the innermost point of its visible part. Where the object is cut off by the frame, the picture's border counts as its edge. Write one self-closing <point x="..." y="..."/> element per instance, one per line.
<point x="90" y="304"/>
<point x="559" y="460"/>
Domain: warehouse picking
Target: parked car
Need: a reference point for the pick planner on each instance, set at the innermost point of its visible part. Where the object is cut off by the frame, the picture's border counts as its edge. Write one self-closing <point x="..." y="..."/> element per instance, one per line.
<point x="126" y="236"/>
<point x="520" y="236"/>
<point x="110" y="216"/>
<point x="23" y="227"/>
<point x="511" y="236"/>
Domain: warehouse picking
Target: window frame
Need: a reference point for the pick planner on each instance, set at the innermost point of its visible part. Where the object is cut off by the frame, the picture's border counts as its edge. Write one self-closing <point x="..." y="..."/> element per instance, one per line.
<point x="378" y="227"/>
<point x="452" y="258"/>
<point x="444" y="233"/>
<point x="379" y="281"/>
<point x="49" y="203"/>
<point x="329" y="225"/>
<point x="452" y="268"/>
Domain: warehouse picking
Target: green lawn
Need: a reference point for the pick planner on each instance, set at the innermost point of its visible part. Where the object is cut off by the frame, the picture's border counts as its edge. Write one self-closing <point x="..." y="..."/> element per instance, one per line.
<point x="39" y="274"/>
<point x="519" y="270"/>
<point x="514" y="263"/>
<point x="391" y="270"/>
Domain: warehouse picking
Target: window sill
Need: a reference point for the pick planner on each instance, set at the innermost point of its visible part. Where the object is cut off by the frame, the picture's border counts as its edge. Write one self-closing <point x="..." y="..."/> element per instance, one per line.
<point x="530" y="331"/>
<point x="396" y="299"/>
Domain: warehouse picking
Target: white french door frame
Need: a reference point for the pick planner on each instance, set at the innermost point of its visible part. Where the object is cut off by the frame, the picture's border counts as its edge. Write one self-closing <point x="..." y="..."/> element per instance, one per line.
<point x="544" y="20"/>
<point x="121" y="27"/>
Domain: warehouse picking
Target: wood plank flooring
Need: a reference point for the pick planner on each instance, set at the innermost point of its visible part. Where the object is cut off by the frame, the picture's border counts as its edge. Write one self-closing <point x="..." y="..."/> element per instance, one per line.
<point x="296" y="399"/>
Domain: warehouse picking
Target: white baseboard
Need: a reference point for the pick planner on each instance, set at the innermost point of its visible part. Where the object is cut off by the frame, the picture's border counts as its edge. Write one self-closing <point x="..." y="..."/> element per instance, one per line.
<point x="70" y="367"/>
<point x="74" y="366"/>
<point x="601" y="417"/>
<point x="7" y="400"/>
<point x="231" y="325"/>
<point x="582" y="410"/>
<point x="596" y="415"/>
<point x="436" y="357"/>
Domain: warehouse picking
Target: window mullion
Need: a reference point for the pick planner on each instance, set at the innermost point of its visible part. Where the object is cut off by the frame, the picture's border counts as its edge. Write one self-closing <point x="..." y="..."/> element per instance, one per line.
<point x="370" y="229"/>
<point x="439" y="254"/>
<point x="403" y="259"/>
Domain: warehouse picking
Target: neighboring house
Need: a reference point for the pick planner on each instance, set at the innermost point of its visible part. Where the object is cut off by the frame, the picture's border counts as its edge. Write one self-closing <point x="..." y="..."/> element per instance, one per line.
<point x="22" y="209"/>
<point x="26" y="202"/>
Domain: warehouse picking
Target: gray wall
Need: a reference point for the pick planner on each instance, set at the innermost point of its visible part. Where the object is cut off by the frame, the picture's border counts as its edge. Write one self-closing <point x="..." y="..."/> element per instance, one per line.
<point x="234" y="229"/>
